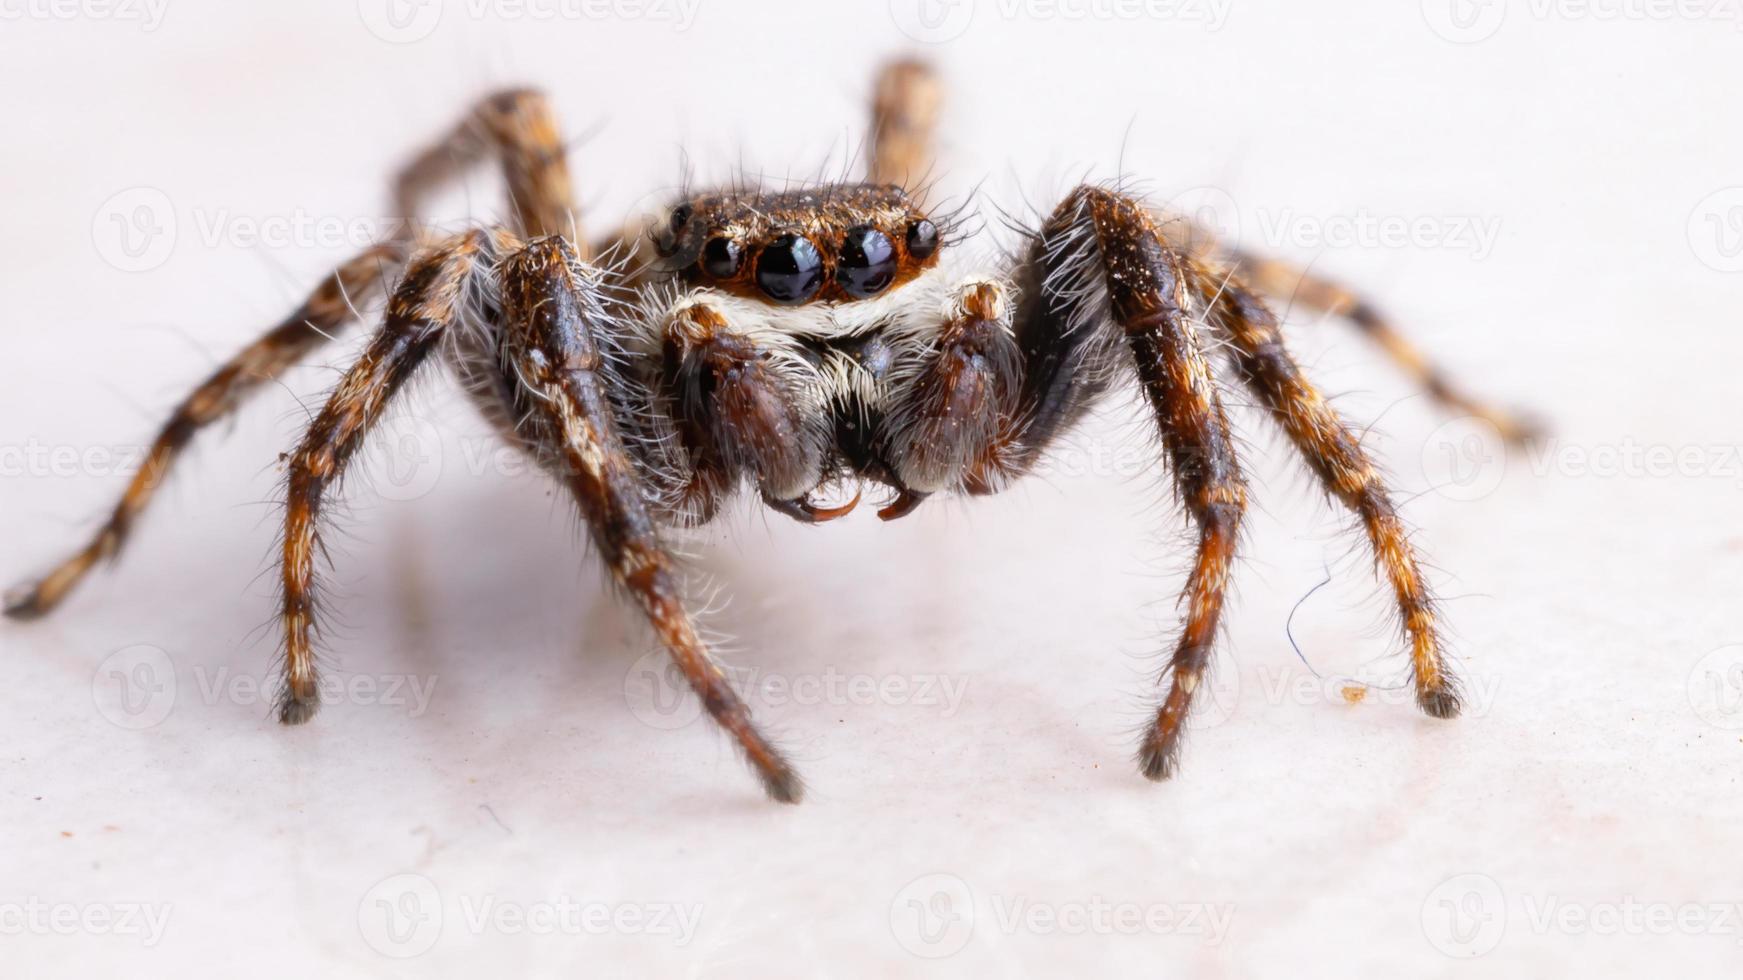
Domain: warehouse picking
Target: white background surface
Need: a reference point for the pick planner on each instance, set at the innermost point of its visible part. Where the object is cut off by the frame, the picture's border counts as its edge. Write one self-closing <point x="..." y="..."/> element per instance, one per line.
<point x="1592" y="791"/>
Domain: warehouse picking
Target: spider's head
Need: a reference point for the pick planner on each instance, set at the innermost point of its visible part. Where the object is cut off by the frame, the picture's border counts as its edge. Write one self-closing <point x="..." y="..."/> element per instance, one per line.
<point x="836" y="243"/>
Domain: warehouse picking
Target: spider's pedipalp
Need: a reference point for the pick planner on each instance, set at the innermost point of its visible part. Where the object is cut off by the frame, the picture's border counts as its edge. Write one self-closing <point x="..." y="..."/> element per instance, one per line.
<point x="552" y="314"/>
<point x="745" y="399"/>
<point x="948" y="403"/>
<point x="327" y="310"/>
<point x="426" y="303"/>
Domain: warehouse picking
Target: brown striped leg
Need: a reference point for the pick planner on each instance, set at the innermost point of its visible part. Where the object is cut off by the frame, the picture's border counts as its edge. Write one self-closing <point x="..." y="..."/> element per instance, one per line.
<point x="325" y="312"/>
<point x="1296" y="285"/>
<point x="422" y="308"/>
<point x="1101" y="255"/>
<point x="520" y="130"/>
<point x="904" y="112"/>
<point x="1336" y="458"/>
<point x="553" y="319"/>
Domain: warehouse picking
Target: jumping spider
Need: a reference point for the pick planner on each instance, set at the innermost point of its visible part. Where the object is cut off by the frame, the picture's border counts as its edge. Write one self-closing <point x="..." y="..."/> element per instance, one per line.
<point x="792" y="340"/>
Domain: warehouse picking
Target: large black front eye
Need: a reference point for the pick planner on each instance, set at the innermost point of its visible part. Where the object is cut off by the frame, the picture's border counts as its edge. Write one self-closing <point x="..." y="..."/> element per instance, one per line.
<point x="922" y="239"/>
<point x="721" y="258"/>
<point x="868" y="262"/>
<point x="790" y="269"/>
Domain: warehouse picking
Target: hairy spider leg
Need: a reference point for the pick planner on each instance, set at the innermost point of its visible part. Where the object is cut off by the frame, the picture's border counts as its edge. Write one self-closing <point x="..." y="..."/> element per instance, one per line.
<point x="326" y="311"/>
<point x="553" y="311"/>
<point x="427" y="303"/>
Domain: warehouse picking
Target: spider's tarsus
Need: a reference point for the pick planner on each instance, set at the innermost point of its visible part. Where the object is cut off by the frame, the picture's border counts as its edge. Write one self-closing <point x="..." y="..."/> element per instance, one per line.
<point x="1523" y="429"/>
<point x="25" y="602"/>
<point x="1158" y="761"/>
<point x="297" y="711"/>
<point x="1441" y="702"/>
<point x="783" y="784"/>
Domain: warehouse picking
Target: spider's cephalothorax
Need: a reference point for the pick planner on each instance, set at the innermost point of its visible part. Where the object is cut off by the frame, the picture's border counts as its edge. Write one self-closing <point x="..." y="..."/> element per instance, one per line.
<point x="812" y="336"/>
<point x="785" y="341"/>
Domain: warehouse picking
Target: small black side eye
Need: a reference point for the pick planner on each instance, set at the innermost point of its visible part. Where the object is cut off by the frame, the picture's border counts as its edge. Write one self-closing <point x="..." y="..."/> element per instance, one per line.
<point x="666" y="241"/>
<point x="790" y="269"/>
<point x="868" y="262"/>
<point x="922" y="239"/>
<point x="722" y="257"/>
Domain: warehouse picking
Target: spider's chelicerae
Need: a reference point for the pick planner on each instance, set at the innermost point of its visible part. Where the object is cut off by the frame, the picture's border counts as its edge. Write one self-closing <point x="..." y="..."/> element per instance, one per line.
<point x="788" y="341"/>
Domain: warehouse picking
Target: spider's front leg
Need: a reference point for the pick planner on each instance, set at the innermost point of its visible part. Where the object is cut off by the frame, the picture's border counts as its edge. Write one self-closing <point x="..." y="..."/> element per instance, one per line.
<point x="555" y="332"/>
<point x="1099" y="277"/>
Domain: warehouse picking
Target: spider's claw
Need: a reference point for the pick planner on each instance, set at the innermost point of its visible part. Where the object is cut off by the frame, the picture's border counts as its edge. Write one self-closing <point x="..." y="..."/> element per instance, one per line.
<point x="24" y="602"/>
<point x="903" y="505"/>
<point x="1521" y="429"/>
<point x="1159" y="760"/>
<point x="782" y="784"/>
<point x="1441" y="702"/>
<point x="806" y="512"/>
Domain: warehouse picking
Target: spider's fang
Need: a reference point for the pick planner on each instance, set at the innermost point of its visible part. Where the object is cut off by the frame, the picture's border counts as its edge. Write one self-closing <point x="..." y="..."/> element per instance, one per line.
<point x="806" y="512"/>
<point x="903" y="505"/>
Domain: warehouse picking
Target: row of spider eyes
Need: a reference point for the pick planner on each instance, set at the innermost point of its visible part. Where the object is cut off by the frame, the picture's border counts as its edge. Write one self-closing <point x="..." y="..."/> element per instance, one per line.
<point x="789" y="269"/>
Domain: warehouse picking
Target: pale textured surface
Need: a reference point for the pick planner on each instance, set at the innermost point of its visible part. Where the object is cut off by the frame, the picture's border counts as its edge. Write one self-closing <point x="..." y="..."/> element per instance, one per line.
<point x="1584" y="597"/>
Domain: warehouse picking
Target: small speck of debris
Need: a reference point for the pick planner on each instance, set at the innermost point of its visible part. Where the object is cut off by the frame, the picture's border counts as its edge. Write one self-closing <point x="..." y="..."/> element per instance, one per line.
<point x="66" y="833"/>
<point x="1354" y="693"/>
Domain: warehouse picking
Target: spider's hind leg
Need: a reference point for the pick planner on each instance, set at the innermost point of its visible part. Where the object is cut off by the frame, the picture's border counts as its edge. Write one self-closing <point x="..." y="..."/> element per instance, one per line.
<point x="557" y="351"/>
<point x="904" y="113"/>
<point x="327" y="310"/>
<point x="1287" y="282"/>
<point x="1336" y="457"/>
<point x="519" y="128"/>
